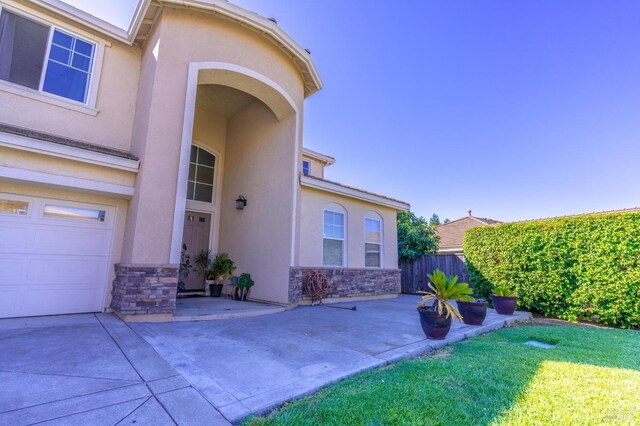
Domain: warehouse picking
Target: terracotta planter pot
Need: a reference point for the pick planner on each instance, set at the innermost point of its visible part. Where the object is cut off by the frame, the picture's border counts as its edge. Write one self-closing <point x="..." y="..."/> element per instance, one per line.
<point x="504" y="305"/>
<point x="434" y="326"/>
<point x="473" y="313"/>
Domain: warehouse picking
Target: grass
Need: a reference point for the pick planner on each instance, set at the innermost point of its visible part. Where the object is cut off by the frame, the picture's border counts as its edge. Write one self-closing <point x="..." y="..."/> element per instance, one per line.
<point x="591" y="377"/>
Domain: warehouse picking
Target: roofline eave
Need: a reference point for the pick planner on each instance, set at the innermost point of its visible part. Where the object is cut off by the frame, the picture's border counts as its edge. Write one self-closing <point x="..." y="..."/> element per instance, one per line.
<point x="300" y="57"/>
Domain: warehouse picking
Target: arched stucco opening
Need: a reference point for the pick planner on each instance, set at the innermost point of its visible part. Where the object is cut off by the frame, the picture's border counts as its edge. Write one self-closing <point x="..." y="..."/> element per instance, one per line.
<point x="257" y="135"/>
<point x="253" y="84"/>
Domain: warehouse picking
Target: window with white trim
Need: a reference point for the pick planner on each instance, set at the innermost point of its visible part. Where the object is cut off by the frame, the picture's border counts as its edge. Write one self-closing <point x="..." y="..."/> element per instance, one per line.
<point x="75" y="213"/>
<point x="306" y="167"/>
<point x="44" y="58"/>
<point x="14" y="206"/>
<point x="372" y="242"/>
<point x="333" y="238"/>
<point x="201" y="175"/>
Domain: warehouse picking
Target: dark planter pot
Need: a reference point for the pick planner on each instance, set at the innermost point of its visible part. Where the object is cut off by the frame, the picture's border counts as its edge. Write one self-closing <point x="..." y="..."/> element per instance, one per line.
<point x="215" y="289"/>
<point x="504" y="305"/>
<point x="473" y="313"/>
<point x="435" y="326"/>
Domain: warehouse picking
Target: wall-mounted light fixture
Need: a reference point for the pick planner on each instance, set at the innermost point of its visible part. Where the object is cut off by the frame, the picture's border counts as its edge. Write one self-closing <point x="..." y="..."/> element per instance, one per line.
<point x="241" y="202"/>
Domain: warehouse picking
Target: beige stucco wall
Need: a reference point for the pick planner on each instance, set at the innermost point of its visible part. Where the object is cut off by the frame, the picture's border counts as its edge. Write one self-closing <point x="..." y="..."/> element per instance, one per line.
<point x="210" y="131"/>
<point x="317" y="167"/>
<point x="121" y="213"/>
<point x="311" y="221"/>
<point x="116" y="99"/>
<point x="259" y="165"/>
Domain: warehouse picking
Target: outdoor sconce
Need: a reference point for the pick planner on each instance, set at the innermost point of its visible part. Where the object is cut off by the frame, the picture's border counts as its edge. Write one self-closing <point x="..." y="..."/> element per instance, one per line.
<point x="241" y="202"/>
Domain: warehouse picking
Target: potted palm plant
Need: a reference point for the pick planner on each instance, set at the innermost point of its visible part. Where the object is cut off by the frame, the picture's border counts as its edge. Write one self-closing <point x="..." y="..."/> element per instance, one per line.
<point x="473" y="312"/>
<point x="504" y="299"/>
<point x="215" y="270"/>
<point x="435" y="318"/>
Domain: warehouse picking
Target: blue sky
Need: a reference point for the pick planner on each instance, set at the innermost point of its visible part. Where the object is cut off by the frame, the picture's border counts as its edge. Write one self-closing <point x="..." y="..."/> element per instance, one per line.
<point x="514" y="109"/>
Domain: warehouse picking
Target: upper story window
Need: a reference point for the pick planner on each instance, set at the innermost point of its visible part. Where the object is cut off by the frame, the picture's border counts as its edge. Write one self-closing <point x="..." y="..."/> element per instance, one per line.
<point x="372" y="241"/>
<point x="201" y="175"/>
<point x="306" y="167"/>
<point x="44" y="58"/>
<point x="333" y="237"/>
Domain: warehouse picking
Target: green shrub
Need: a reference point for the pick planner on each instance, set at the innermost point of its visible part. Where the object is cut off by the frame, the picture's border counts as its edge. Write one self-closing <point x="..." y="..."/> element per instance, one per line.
<point x="576" y="268"/>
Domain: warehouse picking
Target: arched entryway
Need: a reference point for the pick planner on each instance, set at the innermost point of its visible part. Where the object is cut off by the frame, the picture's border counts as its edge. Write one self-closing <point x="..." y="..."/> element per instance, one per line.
<point x="246" y="129"/>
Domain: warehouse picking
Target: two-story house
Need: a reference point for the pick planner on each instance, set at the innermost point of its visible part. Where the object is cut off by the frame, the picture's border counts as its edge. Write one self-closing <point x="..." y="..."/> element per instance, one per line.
<point x="118" y="146"/>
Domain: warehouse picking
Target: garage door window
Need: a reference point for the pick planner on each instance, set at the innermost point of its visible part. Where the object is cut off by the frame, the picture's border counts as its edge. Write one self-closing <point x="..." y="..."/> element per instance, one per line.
<point x="76" y="213"/>
<point x="14" y="207"/>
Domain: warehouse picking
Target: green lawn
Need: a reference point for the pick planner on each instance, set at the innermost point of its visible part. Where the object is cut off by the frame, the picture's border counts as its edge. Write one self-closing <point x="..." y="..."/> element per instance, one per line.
<point x="592" y="376"/>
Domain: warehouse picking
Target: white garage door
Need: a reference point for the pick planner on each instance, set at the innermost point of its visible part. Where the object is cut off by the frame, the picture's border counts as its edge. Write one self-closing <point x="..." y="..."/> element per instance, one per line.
<point x="54" y="256"/>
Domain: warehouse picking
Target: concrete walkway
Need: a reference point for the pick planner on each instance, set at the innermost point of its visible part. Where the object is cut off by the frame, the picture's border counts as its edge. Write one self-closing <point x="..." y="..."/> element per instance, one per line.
<point x="219" y="308"/>
<point x="95" y="369"/>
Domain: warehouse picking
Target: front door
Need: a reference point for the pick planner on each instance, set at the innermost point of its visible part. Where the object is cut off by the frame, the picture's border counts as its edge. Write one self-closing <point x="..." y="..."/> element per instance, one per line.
<point x="197" y="227"/>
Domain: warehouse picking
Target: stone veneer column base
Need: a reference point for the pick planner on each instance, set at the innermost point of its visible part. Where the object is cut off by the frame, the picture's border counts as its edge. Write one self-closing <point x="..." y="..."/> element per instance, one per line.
<point x="144" y="289"/>
<point x="347" y="283"/>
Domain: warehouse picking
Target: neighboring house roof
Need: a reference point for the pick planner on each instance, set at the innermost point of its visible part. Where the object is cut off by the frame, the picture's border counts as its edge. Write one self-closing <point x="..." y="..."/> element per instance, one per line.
<point x="627" y="210"/>
<point x="452" y="234"/>
<point x="351" y="192"/>
<point x="320" y="157"/>
<point x="148" y="10"/>
<point x="47" y="137"/>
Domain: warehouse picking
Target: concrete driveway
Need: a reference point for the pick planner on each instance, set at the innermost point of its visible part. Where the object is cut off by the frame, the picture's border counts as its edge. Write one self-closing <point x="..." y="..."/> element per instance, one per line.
<point x="95" y="369"/>
<point x="90" y="370"/>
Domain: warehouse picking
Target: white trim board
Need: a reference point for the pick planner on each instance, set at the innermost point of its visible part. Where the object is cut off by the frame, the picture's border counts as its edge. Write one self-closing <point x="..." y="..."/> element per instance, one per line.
<point x="323" y="185"/>
<point x="37" y="146"/>
<point x="328" y="160"/>
<point x="64" y="182"/>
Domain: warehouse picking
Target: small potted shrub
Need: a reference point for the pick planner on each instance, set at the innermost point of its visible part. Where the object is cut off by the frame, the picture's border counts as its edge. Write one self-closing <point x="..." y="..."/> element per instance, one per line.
<point x="220" y="268"/>
<point x="184" y="269"/>
<point x="201" y="263"/>
<point x="435" y="319"/>
<point x="473" y="312"/>
<point x="504" y="300"/>
<point x="243" y="287"/>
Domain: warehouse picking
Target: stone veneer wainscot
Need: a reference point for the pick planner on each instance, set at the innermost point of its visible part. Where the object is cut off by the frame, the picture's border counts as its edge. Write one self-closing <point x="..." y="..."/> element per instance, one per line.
<point x="347" y="282"/>
<point x="144" y="289"/>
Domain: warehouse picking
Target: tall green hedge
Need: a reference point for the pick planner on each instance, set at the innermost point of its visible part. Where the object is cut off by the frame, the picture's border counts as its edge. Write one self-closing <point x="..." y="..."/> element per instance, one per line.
<point x="576" y="268"/>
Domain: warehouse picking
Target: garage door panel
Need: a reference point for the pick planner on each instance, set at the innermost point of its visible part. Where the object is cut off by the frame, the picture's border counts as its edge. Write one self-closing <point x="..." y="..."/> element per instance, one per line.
<point x="88" y="241"/>
<point x="65" y="270"/>
<point x="45" y="301"/>
<point x="16" y="237"/>
<point x="54" y="265"/>
<point x="10" y="302"/>
<point x="13" y="269"/>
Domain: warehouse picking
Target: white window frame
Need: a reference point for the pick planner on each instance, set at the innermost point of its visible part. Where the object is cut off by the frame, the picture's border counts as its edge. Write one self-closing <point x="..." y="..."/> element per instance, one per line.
<point x="203" y="206"/>
<point x="376" y="217"/>
<point x="338" y="209"/>
<point x="88" y="107"/>
<point x="19" y="199"/>
<point x="308" y="167"/>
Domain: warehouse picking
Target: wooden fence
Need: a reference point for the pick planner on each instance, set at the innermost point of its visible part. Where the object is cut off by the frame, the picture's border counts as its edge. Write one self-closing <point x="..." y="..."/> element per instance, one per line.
<point x="414" y="274"/>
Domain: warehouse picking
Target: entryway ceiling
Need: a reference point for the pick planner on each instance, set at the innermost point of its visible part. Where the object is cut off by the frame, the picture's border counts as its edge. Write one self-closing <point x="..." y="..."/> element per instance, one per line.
<point x="222" y="100"/>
